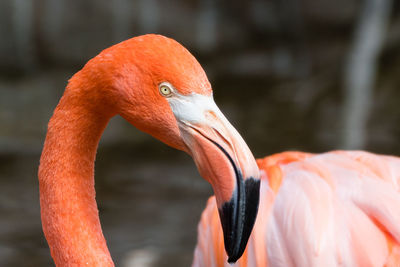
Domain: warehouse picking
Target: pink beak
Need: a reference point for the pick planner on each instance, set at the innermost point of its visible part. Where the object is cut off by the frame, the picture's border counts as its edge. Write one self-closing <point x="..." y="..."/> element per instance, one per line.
<point x="223" y="159"/>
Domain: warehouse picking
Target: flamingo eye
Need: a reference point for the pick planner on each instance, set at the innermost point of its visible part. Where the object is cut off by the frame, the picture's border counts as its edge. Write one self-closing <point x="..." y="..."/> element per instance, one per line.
<point x="165" y="89"/>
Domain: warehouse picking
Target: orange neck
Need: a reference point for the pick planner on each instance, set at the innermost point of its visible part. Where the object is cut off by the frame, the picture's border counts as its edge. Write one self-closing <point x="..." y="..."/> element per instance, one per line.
<point x="66" y="178"/>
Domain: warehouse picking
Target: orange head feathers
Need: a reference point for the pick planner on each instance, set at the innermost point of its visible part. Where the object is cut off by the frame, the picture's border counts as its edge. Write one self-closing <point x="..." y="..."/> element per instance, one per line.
<point x="126" y="78"/>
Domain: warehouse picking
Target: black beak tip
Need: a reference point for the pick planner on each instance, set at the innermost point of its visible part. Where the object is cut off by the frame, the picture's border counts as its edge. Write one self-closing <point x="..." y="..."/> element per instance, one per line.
<point x="232" y="260"/>
<point x="238" y="217"/>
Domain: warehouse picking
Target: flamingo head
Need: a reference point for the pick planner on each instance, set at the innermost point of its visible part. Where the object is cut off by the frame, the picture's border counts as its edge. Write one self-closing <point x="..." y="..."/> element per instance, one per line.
<point x="161" y="89"/>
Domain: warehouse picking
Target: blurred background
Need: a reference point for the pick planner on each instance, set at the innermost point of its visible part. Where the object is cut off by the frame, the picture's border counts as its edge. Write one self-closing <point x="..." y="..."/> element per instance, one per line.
<point x="290" y="75"/>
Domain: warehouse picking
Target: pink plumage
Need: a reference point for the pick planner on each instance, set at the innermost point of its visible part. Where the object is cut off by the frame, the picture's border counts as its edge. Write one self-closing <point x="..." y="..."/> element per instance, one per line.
<point x="339" y="208"/>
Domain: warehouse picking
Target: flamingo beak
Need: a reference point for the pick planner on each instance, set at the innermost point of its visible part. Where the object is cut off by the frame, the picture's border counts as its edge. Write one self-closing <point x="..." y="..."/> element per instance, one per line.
<point x="223" y="159"/>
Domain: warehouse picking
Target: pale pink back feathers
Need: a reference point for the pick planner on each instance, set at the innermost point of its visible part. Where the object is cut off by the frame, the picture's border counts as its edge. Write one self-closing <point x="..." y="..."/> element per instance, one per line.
<point x="332" y="209"/>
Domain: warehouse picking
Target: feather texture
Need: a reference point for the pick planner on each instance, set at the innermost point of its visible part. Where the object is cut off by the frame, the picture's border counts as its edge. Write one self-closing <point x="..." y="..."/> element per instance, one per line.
<point x="340" y="208"/>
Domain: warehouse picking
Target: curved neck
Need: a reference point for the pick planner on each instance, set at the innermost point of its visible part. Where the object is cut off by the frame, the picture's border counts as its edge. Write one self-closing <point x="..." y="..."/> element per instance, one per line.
<point x="66" y="179"/>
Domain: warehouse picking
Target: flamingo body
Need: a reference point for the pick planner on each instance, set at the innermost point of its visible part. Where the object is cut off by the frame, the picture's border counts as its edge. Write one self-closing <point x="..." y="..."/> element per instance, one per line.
<point x="333" y="209"/>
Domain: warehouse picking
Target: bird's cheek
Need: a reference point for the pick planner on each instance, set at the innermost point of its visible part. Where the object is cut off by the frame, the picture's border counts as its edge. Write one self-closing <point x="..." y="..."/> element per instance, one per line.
<point x="159" y="123"/>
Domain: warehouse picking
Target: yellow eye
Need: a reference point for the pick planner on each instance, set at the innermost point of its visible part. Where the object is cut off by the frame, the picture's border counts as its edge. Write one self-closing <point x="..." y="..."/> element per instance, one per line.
<point x="165" y="90"/>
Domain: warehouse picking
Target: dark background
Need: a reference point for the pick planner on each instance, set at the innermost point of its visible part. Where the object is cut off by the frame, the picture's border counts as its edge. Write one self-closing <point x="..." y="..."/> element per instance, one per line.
<point x="289" y="75"/>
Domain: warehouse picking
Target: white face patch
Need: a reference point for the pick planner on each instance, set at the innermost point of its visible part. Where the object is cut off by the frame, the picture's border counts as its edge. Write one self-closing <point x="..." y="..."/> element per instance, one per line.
<point x="191" y="109"/>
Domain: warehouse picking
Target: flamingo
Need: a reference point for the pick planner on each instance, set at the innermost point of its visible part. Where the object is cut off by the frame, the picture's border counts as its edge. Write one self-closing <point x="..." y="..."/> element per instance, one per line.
<point x="336" y="208"/>
<point x="160" y="88"/>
